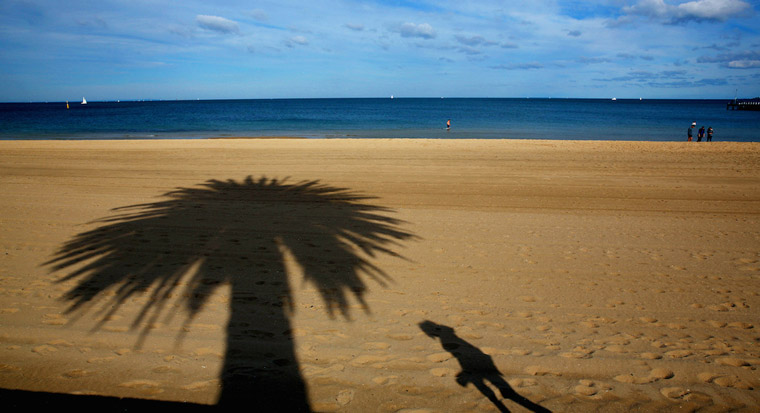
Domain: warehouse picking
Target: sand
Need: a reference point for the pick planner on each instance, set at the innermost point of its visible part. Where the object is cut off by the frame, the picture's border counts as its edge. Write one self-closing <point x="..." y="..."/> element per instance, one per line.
<point x="381" y="275"/>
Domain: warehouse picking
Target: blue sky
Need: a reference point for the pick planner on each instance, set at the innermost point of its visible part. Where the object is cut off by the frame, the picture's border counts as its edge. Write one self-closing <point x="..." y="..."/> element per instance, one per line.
<point x="162" y="49"/>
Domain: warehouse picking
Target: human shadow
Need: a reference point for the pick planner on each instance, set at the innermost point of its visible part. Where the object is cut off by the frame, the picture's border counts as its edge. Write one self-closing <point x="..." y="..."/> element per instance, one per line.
<point x="238" y="234"/>
<point x="477" y="367"/>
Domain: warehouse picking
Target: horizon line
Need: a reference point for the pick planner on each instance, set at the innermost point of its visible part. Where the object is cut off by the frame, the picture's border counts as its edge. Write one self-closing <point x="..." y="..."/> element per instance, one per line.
<point x="392" y="97"/>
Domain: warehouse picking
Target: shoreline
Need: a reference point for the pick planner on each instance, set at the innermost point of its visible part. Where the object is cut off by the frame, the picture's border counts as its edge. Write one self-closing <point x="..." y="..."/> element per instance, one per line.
<point x="591" y="275"/>
<point x="289" y="137"/>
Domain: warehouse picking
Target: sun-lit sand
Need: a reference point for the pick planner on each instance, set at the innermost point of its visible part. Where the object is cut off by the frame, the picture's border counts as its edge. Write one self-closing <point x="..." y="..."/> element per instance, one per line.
<point x="382" y="275"/>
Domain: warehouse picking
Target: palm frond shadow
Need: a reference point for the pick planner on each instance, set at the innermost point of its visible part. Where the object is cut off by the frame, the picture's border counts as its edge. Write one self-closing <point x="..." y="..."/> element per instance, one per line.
<point x="236" y="234"/>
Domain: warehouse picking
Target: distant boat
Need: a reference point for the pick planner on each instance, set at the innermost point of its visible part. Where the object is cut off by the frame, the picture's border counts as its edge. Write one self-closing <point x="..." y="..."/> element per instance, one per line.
<point x="67" y="104"/>
<point x="614" y="98"/>
<point x="391" y="96"/>
<point x="84" y="101"/>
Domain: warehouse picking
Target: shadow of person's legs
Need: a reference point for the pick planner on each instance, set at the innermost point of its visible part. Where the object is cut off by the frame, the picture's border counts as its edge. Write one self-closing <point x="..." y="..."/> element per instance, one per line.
<point x="477" y="367"/>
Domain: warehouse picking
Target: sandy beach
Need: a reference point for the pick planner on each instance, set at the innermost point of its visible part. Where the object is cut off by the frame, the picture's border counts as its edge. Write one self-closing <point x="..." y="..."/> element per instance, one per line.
<point x="381" y="275"/>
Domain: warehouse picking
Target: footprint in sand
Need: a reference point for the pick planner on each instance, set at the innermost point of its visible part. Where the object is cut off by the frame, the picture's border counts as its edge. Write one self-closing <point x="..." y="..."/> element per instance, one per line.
<point x="732" y="381"/>
<point x="724" y="380"/>
<point x="439" y="357"/>
<point x="674" y="392"/>
<point x="201" y="385"/>
<point x="577" y="354"/>
<point x="383" y="380"/>
<point x="586" y="388"/>
<point x="616" y="348"/>
<point x="654" y="375"/>
<point x="518" y="382"/>
<point x="677" y="354"/>
<point x="100" y="360"/>
<point x="741" y="325"/>
<point x="369" y="359"/>
<point x="54" y="320"/>
<point x="732" y="361"/>
<point x="206" y="351"/>
<point x="443" y="372"/>
<point x="78" y="373"/>
<point x="6" y="368"/>
<point x="149" y="387"/>
<point x="541" y="371"/>
<point x="310" y="371"/>
<point x="524" y="314"/>
<point x="44" y="349"/>
<point x="165" y="370"/>
<point x="335" y="403"/>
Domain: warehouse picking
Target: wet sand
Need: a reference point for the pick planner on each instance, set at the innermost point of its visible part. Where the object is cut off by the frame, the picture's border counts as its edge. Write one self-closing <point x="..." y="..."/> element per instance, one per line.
<point x="382" y="275"/>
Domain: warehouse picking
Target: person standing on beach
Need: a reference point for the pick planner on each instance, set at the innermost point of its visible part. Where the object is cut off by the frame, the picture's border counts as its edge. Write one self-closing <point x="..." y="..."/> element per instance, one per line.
<point x="448" y="124"/>
<point x="701" y="134"/>
<point x="689" y="133"/>
<point x="709" y="133"/>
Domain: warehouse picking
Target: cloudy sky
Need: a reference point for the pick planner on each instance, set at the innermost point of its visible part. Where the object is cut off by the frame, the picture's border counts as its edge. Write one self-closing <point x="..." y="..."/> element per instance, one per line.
<point x="162" y="49"/>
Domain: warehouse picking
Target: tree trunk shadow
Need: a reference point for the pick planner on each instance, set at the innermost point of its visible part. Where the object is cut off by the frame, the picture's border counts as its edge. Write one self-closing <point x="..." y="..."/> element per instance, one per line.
<point x="237" y="234"/>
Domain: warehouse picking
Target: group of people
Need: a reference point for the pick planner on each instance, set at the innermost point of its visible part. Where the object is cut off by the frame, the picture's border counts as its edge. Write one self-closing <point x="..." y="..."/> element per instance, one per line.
<point x="701" y="133"/>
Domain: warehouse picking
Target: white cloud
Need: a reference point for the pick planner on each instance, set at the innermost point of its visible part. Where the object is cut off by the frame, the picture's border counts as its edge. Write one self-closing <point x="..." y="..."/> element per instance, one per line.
<point x="296" y="41"/>
<point x="713" y="10"/>
<point x="217" y="24"/>
<point x="422" y="30"/>
<point x="649" y="8"/>
<point x="744" y="64"/>
<point x="354" y="27"/>
<point x="474" y="40"/>
<point x="736" y="60"/>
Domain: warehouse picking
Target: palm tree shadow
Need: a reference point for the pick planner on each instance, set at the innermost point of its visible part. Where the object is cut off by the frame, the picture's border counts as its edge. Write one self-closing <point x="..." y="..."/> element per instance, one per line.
<point x="477" y="367"/>
<point x="236" y="234"/>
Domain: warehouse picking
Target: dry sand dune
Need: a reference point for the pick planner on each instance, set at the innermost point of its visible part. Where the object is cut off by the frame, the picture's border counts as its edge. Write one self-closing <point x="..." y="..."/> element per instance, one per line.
<point x="381" y="275"/>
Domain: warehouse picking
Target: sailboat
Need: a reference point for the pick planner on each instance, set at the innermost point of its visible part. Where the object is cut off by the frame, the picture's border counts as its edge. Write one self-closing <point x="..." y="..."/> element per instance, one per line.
<point x="67" y="104"/>
<point x="84" y="101"/>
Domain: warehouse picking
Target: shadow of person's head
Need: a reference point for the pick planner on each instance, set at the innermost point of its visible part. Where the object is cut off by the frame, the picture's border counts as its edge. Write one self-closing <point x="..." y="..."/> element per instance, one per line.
<point x="435" y="330"/>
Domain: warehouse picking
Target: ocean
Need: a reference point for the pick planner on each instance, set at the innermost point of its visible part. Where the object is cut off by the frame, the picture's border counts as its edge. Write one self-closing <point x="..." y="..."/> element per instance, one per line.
<point x="486" y="118"/>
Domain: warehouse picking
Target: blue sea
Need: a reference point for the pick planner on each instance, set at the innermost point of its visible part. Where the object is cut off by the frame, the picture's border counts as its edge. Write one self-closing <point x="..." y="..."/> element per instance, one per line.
<point x="487" y="118"/>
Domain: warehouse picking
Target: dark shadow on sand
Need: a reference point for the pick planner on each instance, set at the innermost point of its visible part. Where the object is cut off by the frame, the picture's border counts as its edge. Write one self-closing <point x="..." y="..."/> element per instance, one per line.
<point x="477" y="367"/>
<point x="196" y="240"/>
<point x="22" y="400"/>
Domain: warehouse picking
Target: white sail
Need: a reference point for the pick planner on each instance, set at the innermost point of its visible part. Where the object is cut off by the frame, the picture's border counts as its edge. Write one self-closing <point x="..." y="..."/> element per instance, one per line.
<point x="84" y="101"/>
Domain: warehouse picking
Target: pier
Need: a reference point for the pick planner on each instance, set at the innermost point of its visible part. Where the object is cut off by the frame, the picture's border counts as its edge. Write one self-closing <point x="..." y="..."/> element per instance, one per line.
<point x="745" y="104"/>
